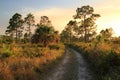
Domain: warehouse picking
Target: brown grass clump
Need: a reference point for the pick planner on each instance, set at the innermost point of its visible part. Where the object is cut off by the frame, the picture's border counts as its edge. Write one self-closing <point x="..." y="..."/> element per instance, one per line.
<point x="27" y="62"/>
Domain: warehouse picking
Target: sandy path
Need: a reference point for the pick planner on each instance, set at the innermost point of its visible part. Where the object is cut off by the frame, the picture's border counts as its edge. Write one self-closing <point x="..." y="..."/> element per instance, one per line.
<point x="83" y="70"/>
<point x="72" y="67"/>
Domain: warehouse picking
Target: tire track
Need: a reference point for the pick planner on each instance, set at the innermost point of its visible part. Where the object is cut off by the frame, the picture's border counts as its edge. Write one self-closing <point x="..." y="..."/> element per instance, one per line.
<point x="72" y="67"/>
<point x="83" y="71"/>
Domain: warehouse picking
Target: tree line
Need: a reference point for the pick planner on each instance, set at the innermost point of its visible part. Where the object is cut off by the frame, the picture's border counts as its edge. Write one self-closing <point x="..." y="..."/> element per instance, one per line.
<point x="83" y="27"/>
<point x="20" y="29"/>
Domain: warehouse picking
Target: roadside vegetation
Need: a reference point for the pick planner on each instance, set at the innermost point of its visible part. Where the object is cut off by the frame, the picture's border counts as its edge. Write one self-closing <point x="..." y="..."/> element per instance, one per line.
<point x="25" y="55"/>
<point x="103" y="58"/>
<point x="28" y="49"/>
<point x="101" y="50"/>
<point x="27" y="61"/>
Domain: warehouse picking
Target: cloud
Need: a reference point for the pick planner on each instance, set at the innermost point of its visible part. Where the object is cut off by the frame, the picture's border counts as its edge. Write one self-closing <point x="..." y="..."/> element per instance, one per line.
<point x="58" y="16"/>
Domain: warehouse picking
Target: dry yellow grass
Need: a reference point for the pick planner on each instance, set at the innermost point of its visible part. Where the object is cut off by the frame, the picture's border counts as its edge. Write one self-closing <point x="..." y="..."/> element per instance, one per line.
<point x="27" y="62"/>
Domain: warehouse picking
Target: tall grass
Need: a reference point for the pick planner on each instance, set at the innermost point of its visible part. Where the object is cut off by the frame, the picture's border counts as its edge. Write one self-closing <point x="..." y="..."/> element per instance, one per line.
<point x="27" y="61"/>
<point x="104" y="58"/>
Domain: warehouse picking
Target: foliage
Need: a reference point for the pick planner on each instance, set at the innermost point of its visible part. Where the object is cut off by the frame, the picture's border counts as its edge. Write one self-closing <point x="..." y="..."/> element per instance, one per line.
<point x="87" y="25"/>
<point x="83" y="28"/>
<point x="65" y="37"/>
<point x="69" y="32"/>
<point x="43" y="34"/>
<point x="45" y="21"/>
<point x="27" y="61"/>
<point x="29" y="20"/>
<point x="6" y="39"/>
<point x="15" y="26"/>
<point x="24" y="60"/>
<point x="104" y="59"/>
<point x="54" y="46"/>
<point x="106" y="34"/>
<point x="6" y="51"/>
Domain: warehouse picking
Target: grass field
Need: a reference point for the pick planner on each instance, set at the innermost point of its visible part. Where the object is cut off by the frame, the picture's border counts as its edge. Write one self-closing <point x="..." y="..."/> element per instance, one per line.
<point x="27" y="61"/>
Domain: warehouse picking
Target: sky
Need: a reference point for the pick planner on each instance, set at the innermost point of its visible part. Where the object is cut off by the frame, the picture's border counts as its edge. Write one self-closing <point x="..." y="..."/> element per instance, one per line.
<point x="61" y="12"/>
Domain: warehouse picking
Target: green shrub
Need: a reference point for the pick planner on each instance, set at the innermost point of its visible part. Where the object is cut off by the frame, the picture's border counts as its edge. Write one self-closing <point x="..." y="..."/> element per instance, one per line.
<point x="54" y="47"/>
<point x="24" y="40"/>
<point x="6" y="51"/>
<point x="5" y="54"/>
<point x="40" y="45"/>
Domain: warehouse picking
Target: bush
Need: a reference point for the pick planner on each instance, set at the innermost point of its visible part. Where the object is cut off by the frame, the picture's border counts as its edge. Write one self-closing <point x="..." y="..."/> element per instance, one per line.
<point x="40" y="45"/>
<point x="24" y="40"/>
<point x="6" y="51"/>
<point x="54" y="47"/>
<point x="5" y="54"/>
<point x="104" y="57"/>
<point x="7" y="40"/>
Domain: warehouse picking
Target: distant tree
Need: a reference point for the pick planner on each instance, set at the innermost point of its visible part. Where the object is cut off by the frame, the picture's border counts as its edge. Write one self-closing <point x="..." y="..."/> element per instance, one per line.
<point x="6" y="39"/>
<point x="9" y="32"/>
<point x="20" y="33"/>
<point x="26" y="36"/>
<point x="64" y="36"/>
<point x="73" y="28"/>
<point x="70" y="31"/>
<point x="15" y="26"/>
<point x="44" y="32"/>
<point x="104" y="36"/>
<point x="56" y="37"/>
<point x="29" y="20"/>
<point x="45" y="21"/>
<point x="43" y="35"/>
<point x="107" y="33"/>
<point x="87" y="21"/>
<point x="99" y="39"/>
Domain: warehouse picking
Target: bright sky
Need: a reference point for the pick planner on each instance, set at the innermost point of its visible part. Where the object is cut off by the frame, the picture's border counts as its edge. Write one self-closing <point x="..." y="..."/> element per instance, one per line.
<point x="61" y="11"/>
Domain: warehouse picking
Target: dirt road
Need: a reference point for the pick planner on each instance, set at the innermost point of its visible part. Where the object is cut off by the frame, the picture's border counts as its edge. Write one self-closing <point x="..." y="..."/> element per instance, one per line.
<point x="72" y="67"/>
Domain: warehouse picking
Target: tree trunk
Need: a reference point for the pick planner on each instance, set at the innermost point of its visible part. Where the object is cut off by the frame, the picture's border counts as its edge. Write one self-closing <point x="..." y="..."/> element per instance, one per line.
<point x="85" y="36"/>
<point x="16" y="35"/>
<point x="70" y="37"/>
<point x="29" y="34"/>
